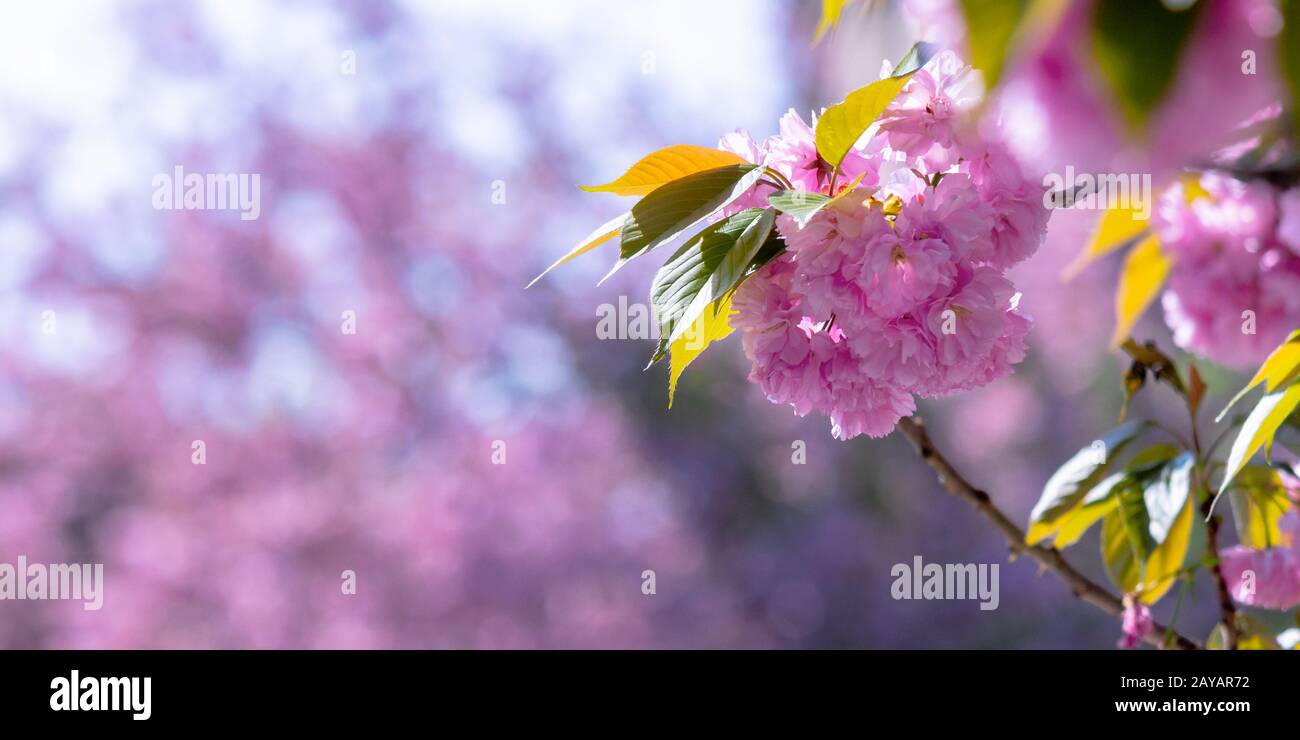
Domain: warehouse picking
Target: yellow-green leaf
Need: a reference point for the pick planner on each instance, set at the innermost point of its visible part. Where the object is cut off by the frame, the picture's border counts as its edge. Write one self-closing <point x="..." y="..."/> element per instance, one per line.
<point x="831" y="10"/>
<point x="665" y="166"/>
<point x="1258" y="501"/>
<point x="1167" y="559"/>
<point x="1282" y="366"/>
<point x="1072" y="482"/>
<point x="596" y="238"/>
<point x="841" y="125"/>
<point x="711" y="326"/>
<point x="1144" y="273"/>
<point x="1115" y="228"/>
<point x="1098" y="503"/>
<point x="1258" y="429"/>
<point x="990" y="26"/>
<point x="1152" y="579"/>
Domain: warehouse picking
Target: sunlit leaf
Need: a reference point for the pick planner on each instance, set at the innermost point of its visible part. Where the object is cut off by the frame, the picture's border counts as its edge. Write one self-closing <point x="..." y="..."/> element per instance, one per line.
<point x="1140" y="281"/>
<point x="1132" y="514"/>
<point x="664" y="166"/>
<point x="712" y="325"/>
<point x="1167" y="559"/>
<point x="830" y="17"/>
<point x="1165" y="493"/>
<point x="1116" y="228"/>
<point x="1258" y="502"/>
<point x="1073" y="480"/>
<point x="1153" y="577"/>
<point x="803" y="205"/>
<point x="1098" y="503"/>
<point x="706" y="268"/>
<point x="596" y="238"/>
<point x="1282" y="366"/>
<point x="672" y="209"/>
<point x="1259" y="428"/>
<point x="841" y="125"/>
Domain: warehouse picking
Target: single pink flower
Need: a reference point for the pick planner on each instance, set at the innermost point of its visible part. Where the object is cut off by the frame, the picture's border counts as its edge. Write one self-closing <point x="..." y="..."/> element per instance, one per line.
<point x="1136" y="623"/>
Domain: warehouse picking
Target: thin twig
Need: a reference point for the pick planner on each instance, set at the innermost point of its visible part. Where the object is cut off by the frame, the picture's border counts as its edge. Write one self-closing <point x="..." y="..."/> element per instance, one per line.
<point x="1226" y="607"/>
<point x="1049" y="557"/>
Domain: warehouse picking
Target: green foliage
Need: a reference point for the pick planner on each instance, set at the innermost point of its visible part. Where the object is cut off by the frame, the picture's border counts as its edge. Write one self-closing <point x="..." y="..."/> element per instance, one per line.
<point x="1258" y="502"/>
<point x="671" y="209"/>
<point x="800" y="204"/>
<point x="706" y="268"/>
<point x="990" y="26"/>
<point x="1137" y="46"/>
<point x="1072" y="481"/>
<point x="1289" y="53"/>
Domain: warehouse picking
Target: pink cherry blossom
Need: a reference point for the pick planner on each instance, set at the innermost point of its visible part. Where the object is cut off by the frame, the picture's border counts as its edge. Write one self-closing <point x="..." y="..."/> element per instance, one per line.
<point x="1234" y="291"/>
<point x="922" y="121"/>
<point x="898" y="289"/>
<point x="1267" y="578"/>
<point x="1137" y="623"/>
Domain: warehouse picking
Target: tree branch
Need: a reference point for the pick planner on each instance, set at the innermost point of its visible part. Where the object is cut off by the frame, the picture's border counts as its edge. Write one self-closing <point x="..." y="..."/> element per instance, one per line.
<point x="1049" y="557"/>
<point x="1226" y="607"/>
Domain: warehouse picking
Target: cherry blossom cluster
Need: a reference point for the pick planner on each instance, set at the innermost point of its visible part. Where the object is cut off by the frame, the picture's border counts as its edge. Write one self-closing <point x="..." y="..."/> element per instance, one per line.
<point x="1234" y="288"/>
<point x="897" y="289"/>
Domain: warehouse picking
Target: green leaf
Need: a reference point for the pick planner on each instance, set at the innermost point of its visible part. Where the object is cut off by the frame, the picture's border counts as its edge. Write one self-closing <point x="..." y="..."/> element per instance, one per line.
<point x="1137" y="46"/>
<point x="841" y="125"/>
<point x="1289" y="54"/>
<point x="1282" y="366"/>
<point x="1073" y="480"/>
<point x="770" y="250"/>
<point x="1150" y="459"/>
<point x="1122" y="567"/>
<point x="1150" y="577"/>
<point x="1258" y="429"/>
<point x="1133" y="516"/>
<point x="673" y="208"/>
<point x="1258" y="502"/>
<point x="801" y="204"/>
<point x="990" y="26"/>
<point x="1105" y="495"/>
<point x="706" y="268"/>
<point x="915" y="58"/>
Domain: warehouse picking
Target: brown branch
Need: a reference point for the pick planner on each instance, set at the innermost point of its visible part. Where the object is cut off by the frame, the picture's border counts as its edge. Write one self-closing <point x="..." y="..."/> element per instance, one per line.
<point x="1049" y="557"/>
<point x="1226" y="607"/>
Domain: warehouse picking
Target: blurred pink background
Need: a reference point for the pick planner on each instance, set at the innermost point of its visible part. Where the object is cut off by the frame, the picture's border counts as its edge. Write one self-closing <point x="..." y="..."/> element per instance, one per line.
<point x="373" y="452"/>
